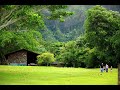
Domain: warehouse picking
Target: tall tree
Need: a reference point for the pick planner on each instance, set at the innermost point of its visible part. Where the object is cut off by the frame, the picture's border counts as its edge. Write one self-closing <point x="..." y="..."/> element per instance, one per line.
<point x="100" y="25"/>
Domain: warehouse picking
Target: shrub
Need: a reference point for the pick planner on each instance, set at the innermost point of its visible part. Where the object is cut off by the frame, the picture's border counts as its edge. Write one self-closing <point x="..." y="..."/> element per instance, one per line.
<point x="46" y="58"/>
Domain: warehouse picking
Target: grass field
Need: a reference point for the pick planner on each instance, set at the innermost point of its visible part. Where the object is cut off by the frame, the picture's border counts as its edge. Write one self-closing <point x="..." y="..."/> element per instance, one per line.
<point x="40" y="75"/>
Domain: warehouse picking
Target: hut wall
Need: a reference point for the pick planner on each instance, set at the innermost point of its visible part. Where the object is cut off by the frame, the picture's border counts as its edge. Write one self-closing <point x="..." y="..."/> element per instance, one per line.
<point x="18" y="57"/>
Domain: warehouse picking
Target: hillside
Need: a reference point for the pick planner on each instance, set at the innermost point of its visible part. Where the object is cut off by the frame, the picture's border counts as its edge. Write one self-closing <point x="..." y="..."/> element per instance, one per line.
<point x="73" y="27"/>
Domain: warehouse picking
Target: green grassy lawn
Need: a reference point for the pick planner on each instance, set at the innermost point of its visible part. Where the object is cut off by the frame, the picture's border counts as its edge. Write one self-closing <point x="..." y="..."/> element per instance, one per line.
<point x="41" y="75"/>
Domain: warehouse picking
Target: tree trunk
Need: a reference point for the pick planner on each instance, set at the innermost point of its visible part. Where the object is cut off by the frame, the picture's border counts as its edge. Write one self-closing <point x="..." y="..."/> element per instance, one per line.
<point x="2" y="58"/>
<point x="73" y="64"/>
<point x="47" y="64"/>
<point x="119" y="74"/>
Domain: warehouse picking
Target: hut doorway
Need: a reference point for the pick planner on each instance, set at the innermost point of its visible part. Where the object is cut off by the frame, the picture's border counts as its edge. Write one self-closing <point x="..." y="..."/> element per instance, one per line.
<point x="31" y="58"/>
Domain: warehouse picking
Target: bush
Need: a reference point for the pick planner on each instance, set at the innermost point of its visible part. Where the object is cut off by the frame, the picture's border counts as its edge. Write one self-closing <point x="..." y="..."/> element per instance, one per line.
<point x="46" y="58"/>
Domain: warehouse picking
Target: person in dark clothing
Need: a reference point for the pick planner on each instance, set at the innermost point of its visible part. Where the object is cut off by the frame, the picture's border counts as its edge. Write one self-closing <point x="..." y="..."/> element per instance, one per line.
<point x="101" y="67"/>
<point x="111" y="69"/>
<point x="104" y="68"/>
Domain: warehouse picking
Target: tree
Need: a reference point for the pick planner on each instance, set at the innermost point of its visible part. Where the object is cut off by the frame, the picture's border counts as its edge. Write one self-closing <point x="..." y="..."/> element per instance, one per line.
<point x="68" y="54"/>
<point x="72" y="27"/>
<point x="92" y="60"/>
<point x="100" y="25"/>
<point x="55" y="48"/>
<point x="11" y="41"/>
<point x="22" y="17"/>
<point x="115" y="40"/>
<point x="18" y="21"/>
<point x="19" y="17"/>
<point x="46" y="58"/>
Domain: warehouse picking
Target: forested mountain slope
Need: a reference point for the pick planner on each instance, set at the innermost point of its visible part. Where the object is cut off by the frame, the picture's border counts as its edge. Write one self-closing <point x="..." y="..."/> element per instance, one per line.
<point x="72" y="27"/>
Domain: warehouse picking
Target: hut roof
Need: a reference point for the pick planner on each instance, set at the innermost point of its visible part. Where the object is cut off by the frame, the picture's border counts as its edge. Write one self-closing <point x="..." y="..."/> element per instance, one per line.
<point x="22" y="50"/>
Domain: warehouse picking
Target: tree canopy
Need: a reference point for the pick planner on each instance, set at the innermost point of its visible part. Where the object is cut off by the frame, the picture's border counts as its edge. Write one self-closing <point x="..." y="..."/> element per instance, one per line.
<point x="101" y="26"/>
<point x="19" y="25"/>
<point x="78" y="36"/>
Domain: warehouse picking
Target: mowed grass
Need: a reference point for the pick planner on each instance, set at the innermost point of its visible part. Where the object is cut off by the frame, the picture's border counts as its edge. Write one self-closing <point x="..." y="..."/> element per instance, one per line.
<point x="41" y="75"/>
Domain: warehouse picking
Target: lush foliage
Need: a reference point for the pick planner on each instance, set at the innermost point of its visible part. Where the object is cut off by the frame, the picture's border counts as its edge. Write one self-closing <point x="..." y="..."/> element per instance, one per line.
<point x="41" y="28"/>
<point x="23" y="17"/>
<point x="19" y="25"/>
<point x="72" y="27"/>
<point x="101" y="30"/>
<point x="100" y="26"/>
<point x="46" y="58"/>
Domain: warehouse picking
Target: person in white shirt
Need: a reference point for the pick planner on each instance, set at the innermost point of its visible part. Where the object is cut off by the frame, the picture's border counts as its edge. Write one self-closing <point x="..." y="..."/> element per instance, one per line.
<point x="106" y="67"/>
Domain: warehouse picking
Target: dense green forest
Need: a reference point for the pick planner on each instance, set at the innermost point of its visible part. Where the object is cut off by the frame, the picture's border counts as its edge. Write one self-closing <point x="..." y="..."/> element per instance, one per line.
<point x="77" y="35"/>
<point x="72" y="27"/>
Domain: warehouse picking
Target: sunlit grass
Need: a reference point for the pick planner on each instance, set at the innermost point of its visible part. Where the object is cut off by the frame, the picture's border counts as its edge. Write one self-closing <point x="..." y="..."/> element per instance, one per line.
<point x="40" y="75"/>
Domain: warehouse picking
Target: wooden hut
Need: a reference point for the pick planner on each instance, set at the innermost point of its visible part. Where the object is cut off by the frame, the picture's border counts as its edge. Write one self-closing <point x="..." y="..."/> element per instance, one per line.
<point x="22" y="57"/>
